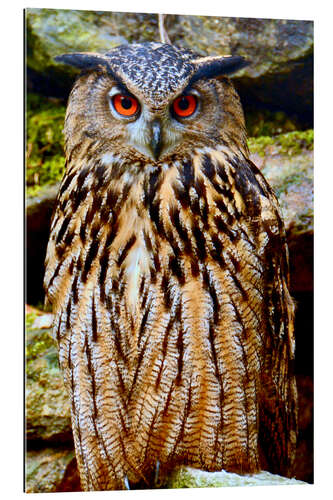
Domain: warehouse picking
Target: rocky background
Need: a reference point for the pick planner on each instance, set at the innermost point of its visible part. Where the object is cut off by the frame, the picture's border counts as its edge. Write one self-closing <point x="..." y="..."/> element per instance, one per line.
<point x="277" y="94"/>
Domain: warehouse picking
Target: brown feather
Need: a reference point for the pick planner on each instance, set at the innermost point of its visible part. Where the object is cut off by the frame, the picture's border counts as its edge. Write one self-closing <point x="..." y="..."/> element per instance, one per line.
<point x="169" y="283"/>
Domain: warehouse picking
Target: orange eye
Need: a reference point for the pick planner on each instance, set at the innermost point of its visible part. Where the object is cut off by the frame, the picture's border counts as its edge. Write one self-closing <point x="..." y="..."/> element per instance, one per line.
<point x="125" y="105"/>
<point x="184" y="106"/>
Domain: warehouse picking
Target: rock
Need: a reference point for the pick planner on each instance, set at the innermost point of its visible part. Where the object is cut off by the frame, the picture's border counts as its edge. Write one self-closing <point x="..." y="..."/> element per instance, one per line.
<point x="43" y="321"/>
<point x="187" y="477"/>
<point x="273" y="46"/>
<point x="38" y="216"/>
<point x="51" y="32"/>
<point x="280" y="51"/>
<point x="47" y="406"/>
<point x="51" y="470"/>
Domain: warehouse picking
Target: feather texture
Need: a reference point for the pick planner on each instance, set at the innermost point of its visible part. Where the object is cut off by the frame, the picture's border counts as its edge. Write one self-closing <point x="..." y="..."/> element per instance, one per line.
<point x="169" y="283"/>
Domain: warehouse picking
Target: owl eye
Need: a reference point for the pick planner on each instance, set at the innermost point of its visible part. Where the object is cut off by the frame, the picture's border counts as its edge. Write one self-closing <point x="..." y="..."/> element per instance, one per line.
<point x="184" y="106"/>
<point x="125" y="105"/>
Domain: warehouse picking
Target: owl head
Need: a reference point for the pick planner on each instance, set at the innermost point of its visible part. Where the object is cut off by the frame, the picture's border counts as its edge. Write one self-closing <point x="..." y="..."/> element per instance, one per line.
<point x="152" y="101"/>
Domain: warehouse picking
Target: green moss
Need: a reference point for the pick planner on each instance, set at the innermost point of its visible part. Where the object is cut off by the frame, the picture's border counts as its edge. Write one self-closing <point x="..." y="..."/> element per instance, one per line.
<point x="38" y="341"/>
<point x="267" y="123"/>
<point x="29" y="319"/>
<point x="44" y="142"/>
<point x="52" y="360"/>
<point x="37" y="344"/>
<point x="40" y="346"/>
<point x="291" y="143"/>
<point x="186" y="479"/>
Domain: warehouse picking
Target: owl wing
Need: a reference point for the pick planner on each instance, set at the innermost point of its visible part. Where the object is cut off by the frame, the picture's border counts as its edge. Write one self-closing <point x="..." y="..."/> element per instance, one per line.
<point x="278" y="395"/>
<point x="87" y="338"/>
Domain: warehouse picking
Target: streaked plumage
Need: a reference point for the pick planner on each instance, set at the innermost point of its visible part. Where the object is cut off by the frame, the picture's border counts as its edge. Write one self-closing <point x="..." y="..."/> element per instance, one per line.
<point x="167" y="269"/>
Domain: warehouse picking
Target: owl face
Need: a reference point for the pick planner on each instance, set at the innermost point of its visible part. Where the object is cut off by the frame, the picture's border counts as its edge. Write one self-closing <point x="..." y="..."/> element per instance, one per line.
<point x="188" y="116"/>
<point x="152" y="101"/>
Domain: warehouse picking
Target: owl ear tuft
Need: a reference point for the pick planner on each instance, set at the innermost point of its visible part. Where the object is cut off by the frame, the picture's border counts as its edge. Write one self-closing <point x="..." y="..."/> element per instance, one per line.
<point x="83" y="60"/>
<point x="215" y="66"/>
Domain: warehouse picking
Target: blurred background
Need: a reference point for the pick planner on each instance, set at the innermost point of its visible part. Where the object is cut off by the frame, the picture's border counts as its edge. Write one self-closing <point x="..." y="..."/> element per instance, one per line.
<point x="276" y="91"/>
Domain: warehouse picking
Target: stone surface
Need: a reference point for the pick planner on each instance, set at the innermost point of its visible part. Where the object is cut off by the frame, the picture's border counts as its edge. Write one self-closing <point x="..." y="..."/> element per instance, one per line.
<point x="55" y="470"/>
<point x="38" y="216"/>
<point x="187" y="477"/>
<point x="47" y="406"/>
<point x="50" y="470"/>
<point x="287" y="163"/>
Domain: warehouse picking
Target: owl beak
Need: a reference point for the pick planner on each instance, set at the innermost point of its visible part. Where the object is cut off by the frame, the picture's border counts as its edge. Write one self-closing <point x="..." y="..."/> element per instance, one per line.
<point x="156" y="139"/>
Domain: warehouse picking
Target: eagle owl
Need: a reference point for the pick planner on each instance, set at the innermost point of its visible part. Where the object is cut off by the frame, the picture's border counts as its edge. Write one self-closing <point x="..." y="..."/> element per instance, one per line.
<point x="167" y="269"/>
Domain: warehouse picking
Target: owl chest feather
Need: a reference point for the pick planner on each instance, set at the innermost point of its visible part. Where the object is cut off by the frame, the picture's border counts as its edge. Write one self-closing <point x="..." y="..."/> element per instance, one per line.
<point x="190" y="283"/>
<point x="169" y="285"/>
<point x="166" y="236"/>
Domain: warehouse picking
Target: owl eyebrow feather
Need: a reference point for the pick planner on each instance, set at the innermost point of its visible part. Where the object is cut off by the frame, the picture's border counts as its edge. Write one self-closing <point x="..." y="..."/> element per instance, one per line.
<point x="87" y="61"/>
<point x="211" y="67"/>
<point x="120" y="84"/>
<point x="83" y="60"/>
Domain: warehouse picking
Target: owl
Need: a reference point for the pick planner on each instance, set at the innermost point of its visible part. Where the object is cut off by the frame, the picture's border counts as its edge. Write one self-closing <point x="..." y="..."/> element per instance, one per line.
<point x="167" y="271"/>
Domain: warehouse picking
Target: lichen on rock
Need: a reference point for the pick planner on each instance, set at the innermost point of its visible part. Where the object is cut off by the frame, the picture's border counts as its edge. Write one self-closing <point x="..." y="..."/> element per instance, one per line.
<point x="286" y="160"/>
<point x="187" y="477"/>
<point x="46" y="470"/>
<point x="47" y="405"/>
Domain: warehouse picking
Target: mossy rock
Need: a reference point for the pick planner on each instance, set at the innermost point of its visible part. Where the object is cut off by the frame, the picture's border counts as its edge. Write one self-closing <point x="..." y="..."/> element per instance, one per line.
<point x="50" y="470"/>
<point x="289" y="144"/>
<point x="54" y="470"/>
<point x="272" y="45"/>
<point x="187" y="477"/>
<point x="51" y="32"/>
<point x="270" y="123"/>
<point x="47" y="405"/>
<point x="286" y="161"/>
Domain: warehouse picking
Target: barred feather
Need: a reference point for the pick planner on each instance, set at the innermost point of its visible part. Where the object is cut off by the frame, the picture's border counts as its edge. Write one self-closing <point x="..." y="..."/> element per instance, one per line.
<point x="169" y="283"/>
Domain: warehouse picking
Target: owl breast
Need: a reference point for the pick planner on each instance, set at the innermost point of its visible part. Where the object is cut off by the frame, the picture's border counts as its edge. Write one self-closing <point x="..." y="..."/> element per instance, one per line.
<point x="168" y="310"/>
<point x="186" y="301"/>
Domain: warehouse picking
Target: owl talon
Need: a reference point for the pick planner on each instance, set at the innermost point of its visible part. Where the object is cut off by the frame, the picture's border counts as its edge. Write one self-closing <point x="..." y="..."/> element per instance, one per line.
<point x="126" y="482"/>
<point x="157" y="471"/>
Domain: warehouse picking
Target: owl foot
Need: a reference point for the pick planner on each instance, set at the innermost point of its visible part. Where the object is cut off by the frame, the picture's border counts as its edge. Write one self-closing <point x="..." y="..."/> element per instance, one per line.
<point x="126" y="482"/>
<point x="157" y="471"/>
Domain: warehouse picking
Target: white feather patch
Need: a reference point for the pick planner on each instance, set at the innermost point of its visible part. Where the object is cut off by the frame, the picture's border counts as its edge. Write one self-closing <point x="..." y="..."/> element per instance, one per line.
<point x="136" y="265"/>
